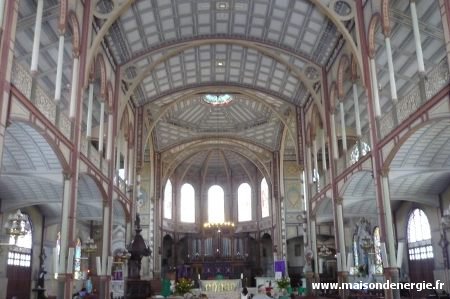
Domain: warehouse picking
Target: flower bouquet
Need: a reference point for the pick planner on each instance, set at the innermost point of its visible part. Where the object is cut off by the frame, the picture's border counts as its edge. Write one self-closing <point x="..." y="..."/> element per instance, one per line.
<point x="283" y="283"/>
<point x="183" y="286"/>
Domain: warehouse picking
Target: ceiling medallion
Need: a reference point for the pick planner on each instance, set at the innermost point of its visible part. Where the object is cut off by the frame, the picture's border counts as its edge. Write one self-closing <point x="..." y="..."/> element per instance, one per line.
<point x="221" y="5"/>
<point x="217" y="99"/>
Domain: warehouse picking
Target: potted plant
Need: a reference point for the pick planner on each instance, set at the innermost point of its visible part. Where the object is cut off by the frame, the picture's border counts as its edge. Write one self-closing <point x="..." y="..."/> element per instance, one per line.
<point x="283" y="283"/>
<point x="183" y="286"/>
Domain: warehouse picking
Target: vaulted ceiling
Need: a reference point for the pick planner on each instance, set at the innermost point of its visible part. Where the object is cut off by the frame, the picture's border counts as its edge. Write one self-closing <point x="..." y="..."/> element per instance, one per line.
<point x="256" y="50"/>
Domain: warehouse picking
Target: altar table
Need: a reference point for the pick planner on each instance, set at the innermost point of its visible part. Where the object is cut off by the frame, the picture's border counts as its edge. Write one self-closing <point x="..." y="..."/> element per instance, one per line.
<point x="220" y="285"/>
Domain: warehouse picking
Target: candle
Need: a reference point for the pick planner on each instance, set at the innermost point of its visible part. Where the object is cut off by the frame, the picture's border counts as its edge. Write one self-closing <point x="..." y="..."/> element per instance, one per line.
<point x="384" y="255"/>
<point x="110" y="262"/>
<point x="99" y="265"/>
<point x="242" y="275"/>
<point x="55" y="260"/>
<point x="400" y="254"/>
<point x="198" y="276"/>
<point x="339" y="265"/>
<point x="349" y="261"/>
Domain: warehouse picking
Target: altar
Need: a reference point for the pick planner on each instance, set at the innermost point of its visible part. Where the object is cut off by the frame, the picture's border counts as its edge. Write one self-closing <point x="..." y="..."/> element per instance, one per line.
<point x="220" y="285"/>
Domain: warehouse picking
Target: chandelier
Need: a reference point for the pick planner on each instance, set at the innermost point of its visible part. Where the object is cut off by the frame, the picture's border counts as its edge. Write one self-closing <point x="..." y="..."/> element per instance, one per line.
<point x="324" y="251"/>
<point x="218" y="225"/>
<point x="17" y="224"/>
<point x="89" y="246"/>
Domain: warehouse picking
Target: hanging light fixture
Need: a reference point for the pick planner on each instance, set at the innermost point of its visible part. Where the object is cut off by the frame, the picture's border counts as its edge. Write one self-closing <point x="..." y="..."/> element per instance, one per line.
<point x="17" y="225"/>
<point x="89" y="246"/>
<point x="324" y="251"/>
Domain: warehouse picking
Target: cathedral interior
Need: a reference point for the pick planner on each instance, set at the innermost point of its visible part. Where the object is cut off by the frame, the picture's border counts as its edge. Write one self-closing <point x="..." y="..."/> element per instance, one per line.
<point x="234" y="140"/>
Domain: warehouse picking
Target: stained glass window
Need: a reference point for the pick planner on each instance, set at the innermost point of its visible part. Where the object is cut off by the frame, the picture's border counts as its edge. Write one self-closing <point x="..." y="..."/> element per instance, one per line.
<point x="187" y="204"/>
<point x="264" y="198"/>
<point x="216" y="204"/>
<point x="217" y="99"/>
<point x="244" y="202"/>
<point x="377" y="247"/>
<point x="419" y="236"/>
<point x="168" y="200"/>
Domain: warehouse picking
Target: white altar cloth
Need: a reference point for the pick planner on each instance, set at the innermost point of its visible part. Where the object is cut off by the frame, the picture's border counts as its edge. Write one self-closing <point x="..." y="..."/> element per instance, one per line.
<point x="220" y="285"/>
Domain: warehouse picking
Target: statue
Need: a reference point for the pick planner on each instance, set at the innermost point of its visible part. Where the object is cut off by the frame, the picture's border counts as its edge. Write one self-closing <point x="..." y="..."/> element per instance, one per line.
<point x="42" y="272"/>
<point x="40" y="285"/>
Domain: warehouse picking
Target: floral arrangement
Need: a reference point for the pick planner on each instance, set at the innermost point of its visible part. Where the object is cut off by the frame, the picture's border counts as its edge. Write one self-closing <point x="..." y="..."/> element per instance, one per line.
<point x="183" y="286"/>
<point x="284" y="282"/>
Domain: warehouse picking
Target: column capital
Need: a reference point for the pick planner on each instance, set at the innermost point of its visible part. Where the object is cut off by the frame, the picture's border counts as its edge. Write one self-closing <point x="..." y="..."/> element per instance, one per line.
<point x="385" y="18"/>
<point x="312" y="218"/>
<point x="384" y="171"/>
<point x="67" y="175"/>
<point x="339" y="200"/>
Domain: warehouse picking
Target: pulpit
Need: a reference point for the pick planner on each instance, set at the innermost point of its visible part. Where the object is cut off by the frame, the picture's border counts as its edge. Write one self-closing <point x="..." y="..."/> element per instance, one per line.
<point x="135" y="288"/>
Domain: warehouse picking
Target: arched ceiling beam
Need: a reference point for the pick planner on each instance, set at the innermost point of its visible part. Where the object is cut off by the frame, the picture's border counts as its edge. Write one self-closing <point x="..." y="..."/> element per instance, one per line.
<point x="205" y="165"/>
<point x="225" y="163"/>
<point x="250" y="177"/>
<point x="224" y="37"/>
<point x="337" y="21"/>
<point x="245" y="92"/>
<point x="221" y="86"/>
<point x="135" y="82"/>
<point x="109" y="18"/>
<point x="186" y="170"/>
<point x="191" y="150"/>
<point x="221" y="137"/>
<point x="265" y="156"/>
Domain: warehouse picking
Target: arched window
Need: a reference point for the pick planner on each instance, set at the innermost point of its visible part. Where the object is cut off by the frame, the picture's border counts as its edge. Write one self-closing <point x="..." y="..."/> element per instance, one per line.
<point x="168" y="200"/>
<point x="264" y="198"/>
<point x="419" y="236"/>
<point x="244" y="202"/>
<point x="377" y="247"/>
<point x="216" y="204"/>
<point x="187" y="204"/>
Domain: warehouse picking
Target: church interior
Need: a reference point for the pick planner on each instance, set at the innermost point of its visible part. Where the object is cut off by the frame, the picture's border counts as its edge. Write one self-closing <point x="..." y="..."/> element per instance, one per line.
<point x="226" y="143"/>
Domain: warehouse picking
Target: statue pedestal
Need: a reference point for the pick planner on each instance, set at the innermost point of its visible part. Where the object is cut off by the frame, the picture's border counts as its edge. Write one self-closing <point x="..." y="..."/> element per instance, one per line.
<point x="137" y="289"/>
<point x="40" y="293"/>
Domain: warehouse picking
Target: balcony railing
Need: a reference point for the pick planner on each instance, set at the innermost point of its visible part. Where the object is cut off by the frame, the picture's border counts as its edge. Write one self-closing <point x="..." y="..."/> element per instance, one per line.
<point x="436" y="79"/>
<point x="23" y="80"/>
